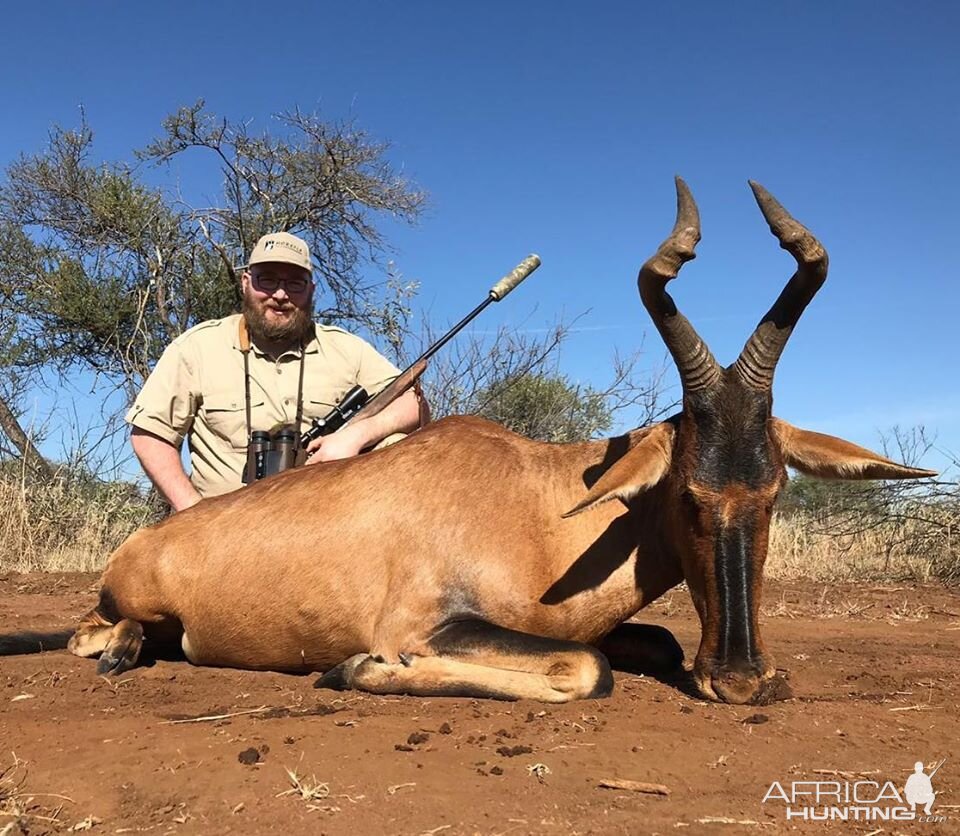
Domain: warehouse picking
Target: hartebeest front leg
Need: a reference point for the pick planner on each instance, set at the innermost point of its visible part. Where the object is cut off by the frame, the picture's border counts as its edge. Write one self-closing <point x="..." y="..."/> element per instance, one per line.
<point x="642" y="649"/>
<point x="478" y="659"/>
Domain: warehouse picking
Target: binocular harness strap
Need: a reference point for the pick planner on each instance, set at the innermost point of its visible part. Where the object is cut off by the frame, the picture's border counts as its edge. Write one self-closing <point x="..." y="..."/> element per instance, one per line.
<point x="303" y="355"/>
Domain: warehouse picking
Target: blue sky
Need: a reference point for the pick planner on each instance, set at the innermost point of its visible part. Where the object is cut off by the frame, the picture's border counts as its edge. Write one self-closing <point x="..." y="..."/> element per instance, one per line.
<point x="557" y="128"/>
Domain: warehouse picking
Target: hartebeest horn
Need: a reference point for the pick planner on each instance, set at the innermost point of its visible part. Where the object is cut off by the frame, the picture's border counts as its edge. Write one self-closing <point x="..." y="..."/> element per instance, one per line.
<point x="758" y="360"/>
<point x="698" y="369"/>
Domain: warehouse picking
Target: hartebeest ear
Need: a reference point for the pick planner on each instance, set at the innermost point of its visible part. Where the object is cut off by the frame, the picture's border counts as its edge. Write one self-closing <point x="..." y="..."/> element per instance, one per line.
<point x="829" y="457"/>
<point x="644" y="464"/>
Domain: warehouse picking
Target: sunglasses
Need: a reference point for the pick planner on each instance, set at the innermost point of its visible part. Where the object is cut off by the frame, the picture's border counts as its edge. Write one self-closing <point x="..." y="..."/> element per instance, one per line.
<point x="292" y="285"/>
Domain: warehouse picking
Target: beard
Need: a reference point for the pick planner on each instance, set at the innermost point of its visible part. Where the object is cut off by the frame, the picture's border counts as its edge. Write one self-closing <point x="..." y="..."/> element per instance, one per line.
<point x="296" y="325"/>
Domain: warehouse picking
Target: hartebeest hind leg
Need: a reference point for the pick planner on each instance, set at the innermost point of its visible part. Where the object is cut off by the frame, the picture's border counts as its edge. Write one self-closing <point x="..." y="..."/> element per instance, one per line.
<point x="479" y="659"/>
<point x="118" y="644"/>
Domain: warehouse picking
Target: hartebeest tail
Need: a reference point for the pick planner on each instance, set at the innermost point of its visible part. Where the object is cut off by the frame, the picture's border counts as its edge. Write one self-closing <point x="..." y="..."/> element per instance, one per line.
<point x="34" y="641"/>
<point x="467" y="560"/>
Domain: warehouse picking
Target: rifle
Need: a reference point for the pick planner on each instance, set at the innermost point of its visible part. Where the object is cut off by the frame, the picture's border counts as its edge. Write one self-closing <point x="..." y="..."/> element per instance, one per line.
<point x="357" y="404"/>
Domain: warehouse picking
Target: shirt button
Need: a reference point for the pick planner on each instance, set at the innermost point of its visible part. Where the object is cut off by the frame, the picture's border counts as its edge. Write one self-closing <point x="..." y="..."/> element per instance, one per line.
<point x="279" y="370"/>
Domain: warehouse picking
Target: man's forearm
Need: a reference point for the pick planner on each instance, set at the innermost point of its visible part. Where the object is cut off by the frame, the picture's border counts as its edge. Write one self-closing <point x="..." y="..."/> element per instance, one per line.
<point x="402" y="416"/>
<point x="161" y="461"/>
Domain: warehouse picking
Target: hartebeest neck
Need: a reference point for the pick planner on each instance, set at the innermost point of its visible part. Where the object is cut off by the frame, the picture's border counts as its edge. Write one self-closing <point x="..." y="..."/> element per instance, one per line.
<point x="618" y="556"/>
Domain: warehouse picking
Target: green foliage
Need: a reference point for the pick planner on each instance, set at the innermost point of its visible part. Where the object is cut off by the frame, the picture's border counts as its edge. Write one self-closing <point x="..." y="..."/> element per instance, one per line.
<point x="102" y="270"/>
<point x="546" y="408"/>
<point x="821" y="497"/>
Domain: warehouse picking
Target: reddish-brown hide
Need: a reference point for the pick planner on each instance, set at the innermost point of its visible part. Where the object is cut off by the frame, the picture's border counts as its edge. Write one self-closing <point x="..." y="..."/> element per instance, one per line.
<point x="469" y="560"/>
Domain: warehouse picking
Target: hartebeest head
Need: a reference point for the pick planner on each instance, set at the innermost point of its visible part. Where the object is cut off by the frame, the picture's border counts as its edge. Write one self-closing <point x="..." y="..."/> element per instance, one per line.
<point x="722" y="461"/>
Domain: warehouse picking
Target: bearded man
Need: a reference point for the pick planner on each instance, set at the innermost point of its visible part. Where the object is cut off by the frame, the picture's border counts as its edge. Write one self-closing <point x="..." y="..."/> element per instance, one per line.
<point x="270" y="365"/>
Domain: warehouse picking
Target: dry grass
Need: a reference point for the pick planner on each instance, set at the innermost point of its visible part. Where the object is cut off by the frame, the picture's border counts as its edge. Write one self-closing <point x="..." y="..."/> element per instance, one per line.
<point x="73" y="524"/>
<point x="802" y="547"/>
<point x="23" y="811"/>
<point x="67" y="525"/>
<point x="308" y="790"/>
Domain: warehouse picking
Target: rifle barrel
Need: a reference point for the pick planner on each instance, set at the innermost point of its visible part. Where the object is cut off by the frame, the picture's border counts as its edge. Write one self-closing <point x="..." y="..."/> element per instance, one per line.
<point x="369" y="407"/>
<point x="497" y="292"/>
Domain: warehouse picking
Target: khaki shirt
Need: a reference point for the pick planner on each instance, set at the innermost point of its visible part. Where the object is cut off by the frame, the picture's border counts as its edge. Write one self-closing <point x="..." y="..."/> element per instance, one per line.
<point x="196" y="391"/>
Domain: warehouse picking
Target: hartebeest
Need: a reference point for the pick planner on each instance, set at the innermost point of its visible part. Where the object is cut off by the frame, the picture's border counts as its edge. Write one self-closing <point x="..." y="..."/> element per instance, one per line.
<point x="467" y="560"/>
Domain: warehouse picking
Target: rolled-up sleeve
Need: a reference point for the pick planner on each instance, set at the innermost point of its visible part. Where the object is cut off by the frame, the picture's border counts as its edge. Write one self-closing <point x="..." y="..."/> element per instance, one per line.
<point x="167" y="403"/>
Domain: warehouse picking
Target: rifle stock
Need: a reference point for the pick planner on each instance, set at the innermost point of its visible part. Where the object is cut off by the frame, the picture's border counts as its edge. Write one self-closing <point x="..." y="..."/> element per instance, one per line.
<point x="391" y="392"/>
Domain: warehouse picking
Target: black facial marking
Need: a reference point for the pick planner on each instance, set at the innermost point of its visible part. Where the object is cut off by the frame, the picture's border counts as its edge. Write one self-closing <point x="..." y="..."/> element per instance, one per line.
<point x="733" y="444"/>
<point x="734" y="573"/>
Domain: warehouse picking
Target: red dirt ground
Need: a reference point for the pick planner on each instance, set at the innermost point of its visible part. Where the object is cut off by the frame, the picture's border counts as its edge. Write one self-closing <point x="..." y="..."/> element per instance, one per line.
<point x="873" y="670"/>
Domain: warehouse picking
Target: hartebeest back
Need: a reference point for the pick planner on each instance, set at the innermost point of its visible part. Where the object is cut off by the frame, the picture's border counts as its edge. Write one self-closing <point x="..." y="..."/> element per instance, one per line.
<point x="468" y="560"/>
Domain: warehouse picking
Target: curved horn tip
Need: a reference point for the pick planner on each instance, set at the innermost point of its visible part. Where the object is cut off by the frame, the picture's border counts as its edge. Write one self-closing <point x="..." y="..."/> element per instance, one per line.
<point x="769" y="205"/>
<point x="687" y="212"/>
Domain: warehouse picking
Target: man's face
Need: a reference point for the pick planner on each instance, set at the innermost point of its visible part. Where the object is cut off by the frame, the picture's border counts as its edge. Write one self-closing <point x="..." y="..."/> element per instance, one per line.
<point x="278" y="301"/>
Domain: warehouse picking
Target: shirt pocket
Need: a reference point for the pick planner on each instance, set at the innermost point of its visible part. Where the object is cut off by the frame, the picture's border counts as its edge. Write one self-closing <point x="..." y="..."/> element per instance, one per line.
<point x="225" y="413"/>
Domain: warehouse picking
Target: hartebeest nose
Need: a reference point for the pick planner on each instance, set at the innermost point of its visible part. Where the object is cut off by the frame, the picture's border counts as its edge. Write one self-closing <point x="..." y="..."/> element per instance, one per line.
<point x="735" y="687"/>
<point x="733" y="681"/>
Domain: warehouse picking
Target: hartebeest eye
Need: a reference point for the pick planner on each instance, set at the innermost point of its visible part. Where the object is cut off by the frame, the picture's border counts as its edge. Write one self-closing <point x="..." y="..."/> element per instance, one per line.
<point x="697" y="515"/>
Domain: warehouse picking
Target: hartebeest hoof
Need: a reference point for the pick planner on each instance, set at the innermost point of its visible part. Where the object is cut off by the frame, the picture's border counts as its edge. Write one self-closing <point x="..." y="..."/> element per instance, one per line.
<point x="735" y="688"/>
<point x="123" y="648"/>
<point x="340" y="678"/>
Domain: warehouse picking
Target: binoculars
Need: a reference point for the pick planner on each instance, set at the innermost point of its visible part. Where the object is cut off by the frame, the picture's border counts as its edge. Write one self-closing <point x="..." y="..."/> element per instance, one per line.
<point x="270" y="452"/>
<point x="281" y="449"/>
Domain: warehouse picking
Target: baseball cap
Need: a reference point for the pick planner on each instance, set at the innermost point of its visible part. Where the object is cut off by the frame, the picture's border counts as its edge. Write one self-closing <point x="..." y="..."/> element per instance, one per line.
<point x="282" y="246"/>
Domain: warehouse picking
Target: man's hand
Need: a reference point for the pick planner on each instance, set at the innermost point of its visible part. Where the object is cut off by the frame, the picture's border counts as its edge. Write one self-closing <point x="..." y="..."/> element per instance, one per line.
<point x="342" y="444"/>
<point x="401" y="416"/>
